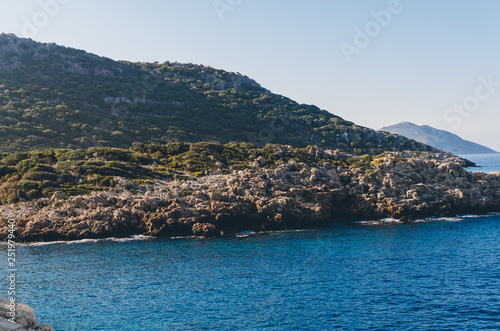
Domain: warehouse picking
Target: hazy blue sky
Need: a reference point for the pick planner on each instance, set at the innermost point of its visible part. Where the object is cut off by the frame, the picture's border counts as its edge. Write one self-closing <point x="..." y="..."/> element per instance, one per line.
<point x="372" y="62"/>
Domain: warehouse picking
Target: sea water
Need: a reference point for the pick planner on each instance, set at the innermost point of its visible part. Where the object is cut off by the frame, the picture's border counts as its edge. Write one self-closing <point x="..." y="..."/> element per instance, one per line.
<point x="440" y="274"/>
<point x="486" y="162"/>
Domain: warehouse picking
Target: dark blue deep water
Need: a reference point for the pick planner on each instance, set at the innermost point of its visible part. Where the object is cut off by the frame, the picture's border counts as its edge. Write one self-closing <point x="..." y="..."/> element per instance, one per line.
<point x="439" y="275"/>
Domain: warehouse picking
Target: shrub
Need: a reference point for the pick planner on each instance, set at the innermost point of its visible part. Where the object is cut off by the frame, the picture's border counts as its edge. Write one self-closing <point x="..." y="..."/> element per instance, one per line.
<point x="42" y="176"/>
<point x="14" y="159"/>
<point x="25" y="165"/>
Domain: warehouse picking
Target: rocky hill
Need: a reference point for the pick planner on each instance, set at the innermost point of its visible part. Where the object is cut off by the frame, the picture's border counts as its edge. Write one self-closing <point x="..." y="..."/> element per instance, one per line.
<point x="441" y="139"/>
<point x="57" y="97"/>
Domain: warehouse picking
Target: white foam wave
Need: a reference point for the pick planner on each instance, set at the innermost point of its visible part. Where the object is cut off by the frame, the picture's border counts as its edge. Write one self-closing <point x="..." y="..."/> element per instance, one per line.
<point x="383" y="221"/>
<point x="185" y="237"/>
<point x="85" y="241"/>
<point x="246" y="234"/>
<point x="439" y="219"/>
<point x="138" y="237"/>
<point x="450" y="219"/>
<point x="390" y="220"/>
<point x="492" y="214"/>
<point x="291" y="230"/>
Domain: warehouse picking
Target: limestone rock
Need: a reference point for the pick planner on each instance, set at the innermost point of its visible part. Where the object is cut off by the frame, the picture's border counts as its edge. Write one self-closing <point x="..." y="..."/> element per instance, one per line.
<point x="292" y="195"/>
<point x="205" y="230"/>
<point x="24" y="320"/>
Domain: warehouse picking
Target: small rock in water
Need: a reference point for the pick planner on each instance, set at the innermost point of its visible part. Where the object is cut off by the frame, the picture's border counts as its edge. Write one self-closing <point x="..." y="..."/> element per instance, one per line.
<point x="24" y="319"/>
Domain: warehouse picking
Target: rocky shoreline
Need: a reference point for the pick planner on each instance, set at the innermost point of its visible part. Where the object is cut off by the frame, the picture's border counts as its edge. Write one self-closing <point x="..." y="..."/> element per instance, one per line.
<point x="23" y="321"/>
<point x="292" y="195"/>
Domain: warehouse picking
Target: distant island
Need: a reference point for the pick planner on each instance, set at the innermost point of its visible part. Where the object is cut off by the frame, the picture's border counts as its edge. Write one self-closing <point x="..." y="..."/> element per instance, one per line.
<point x="441" y="139"/>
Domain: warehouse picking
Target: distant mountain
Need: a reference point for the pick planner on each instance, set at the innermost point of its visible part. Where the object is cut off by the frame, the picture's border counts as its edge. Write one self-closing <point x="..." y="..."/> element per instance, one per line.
<point x="57" y="97"/>
<point x="441" y="139"/>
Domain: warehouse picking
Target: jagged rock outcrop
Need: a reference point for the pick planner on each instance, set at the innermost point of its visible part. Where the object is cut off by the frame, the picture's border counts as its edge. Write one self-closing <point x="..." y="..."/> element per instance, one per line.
<point x="24" y="320"/>
<point x="15" y="51"/>
<point x="293" y="195"/>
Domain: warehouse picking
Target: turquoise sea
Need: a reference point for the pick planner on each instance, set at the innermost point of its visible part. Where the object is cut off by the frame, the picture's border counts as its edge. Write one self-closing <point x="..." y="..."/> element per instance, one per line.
<point x="436" y="274"/>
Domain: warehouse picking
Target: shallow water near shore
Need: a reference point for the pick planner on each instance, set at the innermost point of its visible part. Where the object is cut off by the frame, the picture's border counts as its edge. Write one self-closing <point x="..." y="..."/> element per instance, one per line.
<point x="435" y="274"/>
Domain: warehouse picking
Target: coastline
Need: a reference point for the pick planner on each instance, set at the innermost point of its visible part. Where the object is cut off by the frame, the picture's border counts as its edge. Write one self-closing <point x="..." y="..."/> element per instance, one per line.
<point x="293" y="195"/>
<point x="250" y="233"/>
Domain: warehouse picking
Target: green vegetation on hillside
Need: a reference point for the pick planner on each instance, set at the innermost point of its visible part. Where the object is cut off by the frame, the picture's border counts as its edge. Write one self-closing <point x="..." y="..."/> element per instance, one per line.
<point x="57" y="97"/>
<point x="31" y="175"/>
